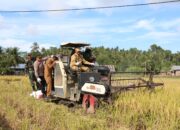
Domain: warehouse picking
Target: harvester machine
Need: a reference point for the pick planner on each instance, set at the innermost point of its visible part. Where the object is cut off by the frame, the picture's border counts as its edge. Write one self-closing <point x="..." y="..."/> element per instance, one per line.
<point x="99" y="83"/>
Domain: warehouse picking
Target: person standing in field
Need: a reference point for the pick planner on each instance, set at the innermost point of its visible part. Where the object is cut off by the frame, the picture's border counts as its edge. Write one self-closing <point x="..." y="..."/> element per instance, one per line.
<point x="30" y="71"/>
<point x="39" y="73"/>
<point x="49" y="65"/>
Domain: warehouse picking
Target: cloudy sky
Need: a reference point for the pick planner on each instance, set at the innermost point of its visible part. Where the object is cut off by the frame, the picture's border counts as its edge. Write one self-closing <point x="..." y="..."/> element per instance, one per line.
<point x="123" y="27"/>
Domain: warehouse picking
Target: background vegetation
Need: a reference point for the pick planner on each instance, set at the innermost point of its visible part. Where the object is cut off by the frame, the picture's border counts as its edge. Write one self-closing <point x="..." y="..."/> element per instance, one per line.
<point x="9" y="57"/>
<point x="154" y="59"/>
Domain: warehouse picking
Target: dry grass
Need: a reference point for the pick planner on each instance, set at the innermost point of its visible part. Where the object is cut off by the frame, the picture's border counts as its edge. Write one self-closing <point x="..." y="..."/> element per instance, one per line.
<point x="139" y="109"/>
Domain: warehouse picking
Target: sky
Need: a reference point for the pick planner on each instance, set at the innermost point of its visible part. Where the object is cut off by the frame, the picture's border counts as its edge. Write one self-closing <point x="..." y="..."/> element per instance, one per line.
<point x="131" y="27"/>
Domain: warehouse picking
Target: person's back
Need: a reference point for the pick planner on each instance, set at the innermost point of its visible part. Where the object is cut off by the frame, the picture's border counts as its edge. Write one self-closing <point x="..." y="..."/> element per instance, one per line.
<point x="48" y="67"/>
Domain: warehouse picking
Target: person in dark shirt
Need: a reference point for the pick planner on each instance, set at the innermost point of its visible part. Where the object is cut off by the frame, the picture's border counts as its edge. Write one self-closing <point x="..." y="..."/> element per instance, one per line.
<point x="88" y="56"/>
<point x="30" y="71"/>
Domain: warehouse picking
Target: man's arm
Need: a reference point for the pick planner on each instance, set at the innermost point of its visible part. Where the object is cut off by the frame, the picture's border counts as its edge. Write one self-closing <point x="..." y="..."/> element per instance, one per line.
<point x="85" y="61"/>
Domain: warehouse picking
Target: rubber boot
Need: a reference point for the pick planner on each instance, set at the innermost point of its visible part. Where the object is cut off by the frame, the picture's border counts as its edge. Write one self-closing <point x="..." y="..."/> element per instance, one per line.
<point x="85" y="100"/>
<point x="92" y="101"/>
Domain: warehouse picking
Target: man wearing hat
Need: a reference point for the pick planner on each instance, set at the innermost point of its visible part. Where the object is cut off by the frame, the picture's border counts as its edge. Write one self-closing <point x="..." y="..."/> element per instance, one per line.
<point x="78" y="62"/>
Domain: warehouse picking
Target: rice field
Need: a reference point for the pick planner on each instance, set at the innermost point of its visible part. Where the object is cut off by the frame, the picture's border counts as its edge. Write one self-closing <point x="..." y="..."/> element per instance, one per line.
<point x="135" y="110"/>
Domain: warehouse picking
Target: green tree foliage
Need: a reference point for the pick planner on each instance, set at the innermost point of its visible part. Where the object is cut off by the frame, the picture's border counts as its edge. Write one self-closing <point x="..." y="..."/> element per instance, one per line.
<point x="9" y="57"/>
<point x="1" y="50"/>
<point x="155" y="59"/>
<point x="176" y="58"/>
<point x="50" y="51"/>
<point x="35" y="49"/>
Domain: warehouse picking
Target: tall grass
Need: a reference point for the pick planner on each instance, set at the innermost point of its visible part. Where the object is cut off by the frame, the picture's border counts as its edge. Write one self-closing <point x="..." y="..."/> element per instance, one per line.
<point x="137" y="109"/>
<point x="143" y="109"/>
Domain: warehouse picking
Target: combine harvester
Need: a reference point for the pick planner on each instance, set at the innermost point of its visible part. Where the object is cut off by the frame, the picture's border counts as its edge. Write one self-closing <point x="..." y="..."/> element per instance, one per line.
<point x="88" y="87"/>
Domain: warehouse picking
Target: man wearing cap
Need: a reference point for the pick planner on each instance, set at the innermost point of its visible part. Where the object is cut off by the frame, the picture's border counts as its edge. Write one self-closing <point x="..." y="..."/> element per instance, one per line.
<point x="78" y="62"/>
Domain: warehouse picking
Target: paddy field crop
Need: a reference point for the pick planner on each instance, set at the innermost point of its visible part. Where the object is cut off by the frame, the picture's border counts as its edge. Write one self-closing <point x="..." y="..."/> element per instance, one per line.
<point x="139" y="109"/>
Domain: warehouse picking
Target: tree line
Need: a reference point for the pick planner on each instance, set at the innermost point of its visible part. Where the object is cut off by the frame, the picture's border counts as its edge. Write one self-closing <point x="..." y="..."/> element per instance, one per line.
<point x="9" y="57"/>
<point x="154" y="59"/>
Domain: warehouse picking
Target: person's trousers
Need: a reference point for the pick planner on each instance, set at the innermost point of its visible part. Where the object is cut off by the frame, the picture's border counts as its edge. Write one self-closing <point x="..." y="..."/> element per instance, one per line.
<point x="53" y="88"/>
<point x="81" y="68"/>
<point x="42" y="84"/>
<point x="32" y="80"/>
<point x="49" y="85"/>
